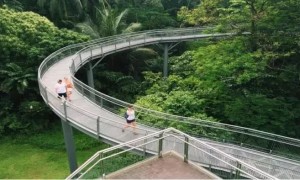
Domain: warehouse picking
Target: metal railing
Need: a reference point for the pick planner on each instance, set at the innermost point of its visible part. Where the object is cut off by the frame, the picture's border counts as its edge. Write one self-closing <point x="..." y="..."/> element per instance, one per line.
<point x="255" y="139"/>
<point x="246" y="137"/>
<point x="214" y="131"/>
<point x="207" y="156"/>
<point x="101" y="126"/>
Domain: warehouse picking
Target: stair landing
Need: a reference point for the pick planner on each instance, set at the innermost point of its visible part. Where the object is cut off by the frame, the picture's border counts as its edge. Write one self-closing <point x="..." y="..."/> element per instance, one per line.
<point x="170" y="166"/>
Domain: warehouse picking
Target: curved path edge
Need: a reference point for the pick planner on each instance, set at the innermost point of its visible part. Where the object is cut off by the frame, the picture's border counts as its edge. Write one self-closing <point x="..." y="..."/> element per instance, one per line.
<point x="89" y="110"/>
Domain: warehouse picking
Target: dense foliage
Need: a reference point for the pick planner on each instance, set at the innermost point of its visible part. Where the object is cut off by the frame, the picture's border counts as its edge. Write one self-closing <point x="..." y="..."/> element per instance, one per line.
<point x="25" y="40"/>
<point x="100" y="18"/>
<point x="248" y="80"/>
<point x="251" y="81"/>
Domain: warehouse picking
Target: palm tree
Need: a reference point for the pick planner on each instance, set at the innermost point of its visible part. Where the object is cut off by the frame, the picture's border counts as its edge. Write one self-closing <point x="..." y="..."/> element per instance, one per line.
<point x="16" y="79"/>
<point x="105" y="22"/>
<point x="62" y="10"/>
<point x="14" y="4"/>
<point x="110" y="20"/>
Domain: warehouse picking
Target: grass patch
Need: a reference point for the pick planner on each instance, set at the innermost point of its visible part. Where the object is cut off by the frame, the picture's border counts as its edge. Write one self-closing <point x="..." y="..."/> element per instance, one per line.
<point x="30" y="162"/>
<point x="43" y="155"/>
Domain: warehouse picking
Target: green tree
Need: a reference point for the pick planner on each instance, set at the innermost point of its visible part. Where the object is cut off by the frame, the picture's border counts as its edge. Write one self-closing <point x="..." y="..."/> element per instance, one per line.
<point x="205" y="13"/>
<point x="16" y="79"/>
<point x="62" y="12"/>
<point x="173" y="6"/>
<point x="110" y="21"/>
<point x="25" y="40"/>
<point x="106" y="22"/>
<point x="228" y="82"/>
<point x="14" y="4"/>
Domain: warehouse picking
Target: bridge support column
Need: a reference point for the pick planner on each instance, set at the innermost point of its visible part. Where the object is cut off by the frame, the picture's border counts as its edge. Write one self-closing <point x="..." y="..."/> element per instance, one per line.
<point x="166" y="57"/>
<point x="70" y="145"/>
<point x="90" y="76"/>
<point x="167" y="47"/>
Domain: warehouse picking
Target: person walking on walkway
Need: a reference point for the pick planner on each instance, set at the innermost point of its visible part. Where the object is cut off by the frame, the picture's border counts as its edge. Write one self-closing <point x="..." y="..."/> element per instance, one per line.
<point x="130" y="119"/>
<point x="69" y="85"/>
<point x="61" y="90"/>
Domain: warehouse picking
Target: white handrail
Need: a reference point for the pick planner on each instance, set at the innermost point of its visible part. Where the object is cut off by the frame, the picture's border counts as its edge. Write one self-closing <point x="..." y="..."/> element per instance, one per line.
<point x="166" y="131"/>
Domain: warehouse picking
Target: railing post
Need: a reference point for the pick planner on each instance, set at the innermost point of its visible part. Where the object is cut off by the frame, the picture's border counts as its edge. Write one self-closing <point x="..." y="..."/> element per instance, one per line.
<point x="45" y="68"/>
<point x="101" y="168"/>
<point x="71" y="67"/>
<point x="82" y="90"/>
<point x="46" y="95"/>
<point x="101" y="102"/>
<point x="160" y="145"/>
<point x="129" y="42"/>
<point x="210" y="160"/>
<point x="271" y="146"/>
<point x="91" y="53"/>
<point x="74" y="68"/>
<point x="80" y="58"/>
<point x="231" y="174"/>
<point x="186" y="149"/>
<point x="238" y="172"/>
<point x="98" y="127"/>
<point x="144" y="146"/>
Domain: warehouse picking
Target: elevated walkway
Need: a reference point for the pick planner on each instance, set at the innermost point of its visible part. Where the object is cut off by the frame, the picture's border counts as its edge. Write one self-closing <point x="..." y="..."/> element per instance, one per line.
<point x="99" y="115"/>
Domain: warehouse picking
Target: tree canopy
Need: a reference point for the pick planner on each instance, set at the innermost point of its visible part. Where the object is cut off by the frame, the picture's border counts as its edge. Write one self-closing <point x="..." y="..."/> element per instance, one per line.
<point x="249" y="80"/>
<point x="26" y="38"/>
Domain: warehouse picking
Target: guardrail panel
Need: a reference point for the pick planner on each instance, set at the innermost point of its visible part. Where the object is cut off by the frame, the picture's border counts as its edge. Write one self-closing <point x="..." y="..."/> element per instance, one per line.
<point x="227" y="134"/>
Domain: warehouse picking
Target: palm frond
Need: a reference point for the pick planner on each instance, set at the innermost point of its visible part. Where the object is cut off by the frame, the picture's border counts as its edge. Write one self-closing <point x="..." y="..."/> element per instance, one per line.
<point x="42" y="3"/>
<point x="119" y="18"/>
<point x="79" y="6"/>
<point x="133" y="27"/>
<point x="87" y="28"/>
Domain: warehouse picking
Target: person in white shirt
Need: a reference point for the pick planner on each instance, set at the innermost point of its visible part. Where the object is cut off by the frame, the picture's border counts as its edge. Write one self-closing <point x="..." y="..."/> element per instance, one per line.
<point x="130" y="119"/>
<point x="61" y="90"/>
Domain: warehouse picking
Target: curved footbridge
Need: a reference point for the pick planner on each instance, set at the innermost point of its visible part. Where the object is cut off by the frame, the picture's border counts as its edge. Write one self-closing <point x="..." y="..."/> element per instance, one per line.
<point x="100" y="115"/>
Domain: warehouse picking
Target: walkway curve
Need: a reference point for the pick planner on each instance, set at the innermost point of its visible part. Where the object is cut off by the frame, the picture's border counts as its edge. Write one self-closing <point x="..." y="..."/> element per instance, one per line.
<point x="95" y="114"/>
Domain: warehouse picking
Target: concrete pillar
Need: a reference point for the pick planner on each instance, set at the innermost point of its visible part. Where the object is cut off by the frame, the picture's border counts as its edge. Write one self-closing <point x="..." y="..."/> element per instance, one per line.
<point x="166" y="51"/>
<point x="70" y="145"/>
<point x="90" y="76"/>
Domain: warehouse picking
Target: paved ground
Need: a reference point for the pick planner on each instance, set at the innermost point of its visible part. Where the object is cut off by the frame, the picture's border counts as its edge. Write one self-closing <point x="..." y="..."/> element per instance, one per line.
<point x="169" y="167"/>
